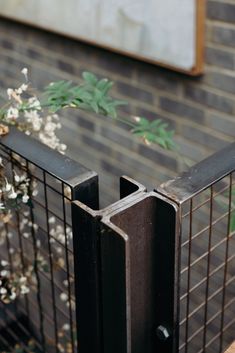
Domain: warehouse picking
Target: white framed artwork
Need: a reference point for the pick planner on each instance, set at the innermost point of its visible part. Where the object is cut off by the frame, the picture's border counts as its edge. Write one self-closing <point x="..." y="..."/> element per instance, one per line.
<point x="165" y="32"/>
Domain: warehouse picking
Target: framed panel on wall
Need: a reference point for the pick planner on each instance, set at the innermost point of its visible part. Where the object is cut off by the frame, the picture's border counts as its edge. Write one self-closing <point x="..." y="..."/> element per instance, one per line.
<point x="169" y="33"/>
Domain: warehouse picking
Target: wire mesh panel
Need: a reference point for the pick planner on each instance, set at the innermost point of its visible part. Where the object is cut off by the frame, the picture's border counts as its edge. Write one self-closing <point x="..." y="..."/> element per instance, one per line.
<point x="37" y="296"/>
<point x="207" y="269"/>
<point x="206" y="266"/>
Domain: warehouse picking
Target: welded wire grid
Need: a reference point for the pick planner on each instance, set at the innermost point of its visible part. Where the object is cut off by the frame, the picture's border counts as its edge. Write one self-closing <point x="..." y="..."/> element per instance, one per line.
<point x="207" y="269"/>
<point x="37" y="244"/>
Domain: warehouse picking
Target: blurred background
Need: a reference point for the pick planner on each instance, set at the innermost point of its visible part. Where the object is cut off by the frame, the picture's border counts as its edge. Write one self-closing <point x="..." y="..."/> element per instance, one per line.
<point x="200" y="109"/>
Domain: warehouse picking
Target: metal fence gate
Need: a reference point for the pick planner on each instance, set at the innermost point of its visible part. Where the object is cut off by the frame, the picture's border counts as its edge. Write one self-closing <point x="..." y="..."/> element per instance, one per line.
<point x="153" y="272"/>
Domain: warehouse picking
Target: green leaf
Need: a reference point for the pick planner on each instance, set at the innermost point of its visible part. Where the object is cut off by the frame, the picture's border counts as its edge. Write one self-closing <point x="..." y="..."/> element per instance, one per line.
<point x="104" y="85"/>
<point x="85" y="106"/>
<point x="143" y="122"/>
<point x="90" y="78"/>
<point x="155" y="132"/>
<point x="94" y="106"/>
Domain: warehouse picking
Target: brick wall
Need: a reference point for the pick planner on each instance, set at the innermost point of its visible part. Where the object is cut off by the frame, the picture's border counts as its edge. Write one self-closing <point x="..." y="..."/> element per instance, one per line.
<point x="201" y="110"/>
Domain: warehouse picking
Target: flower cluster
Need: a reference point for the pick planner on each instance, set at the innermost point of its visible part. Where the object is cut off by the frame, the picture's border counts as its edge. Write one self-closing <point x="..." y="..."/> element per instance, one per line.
<point x="64" y="344"/>
<point x="27" y="113"/>
<point x="18" y="348"/>
<point x="14" y="191"/>
<point x="18" y="192"/>
<point x="12" y="284"/>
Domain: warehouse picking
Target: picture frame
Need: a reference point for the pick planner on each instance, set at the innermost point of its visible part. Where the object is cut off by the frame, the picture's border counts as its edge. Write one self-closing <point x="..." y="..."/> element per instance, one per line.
<point x="165" y="37"/>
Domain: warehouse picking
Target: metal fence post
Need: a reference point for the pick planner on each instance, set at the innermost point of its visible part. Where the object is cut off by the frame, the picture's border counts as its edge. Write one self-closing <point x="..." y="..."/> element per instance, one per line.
<point x="139" y="274"/>
<point x="88" y="263"/>
<point x="127" y="275"/>
<point x="167" y="272"/>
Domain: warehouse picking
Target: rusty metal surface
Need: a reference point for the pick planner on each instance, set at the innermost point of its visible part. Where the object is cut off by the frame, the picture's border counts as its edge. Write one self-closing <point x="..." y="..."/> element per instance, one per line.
<point x="206" y="199"/>
<point x="200" y="176"/>
<point x="60" y="166"/>
<point x="86" y="239"/>
<point x="148" y="299"/>
<point x="127" y="280"/>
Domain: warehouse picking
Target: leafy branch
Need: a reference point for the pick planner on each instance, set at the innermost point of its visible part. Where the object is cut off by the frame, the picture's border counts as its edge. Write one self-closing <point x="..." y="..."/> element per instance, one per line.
<point x="93" y="95"/>
<point x="156" y="132"/>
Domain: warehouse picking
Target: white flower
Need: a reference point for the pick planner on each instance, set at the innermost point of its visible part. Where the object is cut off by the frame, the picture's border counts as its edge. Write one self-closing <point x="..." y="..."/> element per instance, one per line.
<point x="56" y="117"/>
<point x="52" y="232"/>
<point x="61" y="348"/>
<point x="24" y="87"/>
<point x="61" y="238"/>
<point x="4" y="263"/>
<point x="62" y="147"/>
<point x="5" y="273"/>
<point x="12" y="113"/>
<point x="34" y="119"/>
<point x="59" y="250"/>
<point x="24" y="71"/>
<point x="136" y="119"/>
<point x="25" y="198"/>
<point x="12" y="195"/>
<point x="49" y="127"/>
<point x="66" y="283"/>
<point x="21" y="89"/>
<point x="63" y="297"/>
<point x="66" y="327"/>
<point x="69" y="232"/>
<point x="51" y="219"/>
<point x="35" y="192"/>
<point x="26" y="235"/>
<point x="8" y="186"/>
<point x="35" y="226"/>
<point x="9" y="92"/>
<point x="23" y="280"/>
<point x="12" y="296"/>
<point x="34" y="103"/>
<point x="17" y="178"/>
<point x="24" y="290"/>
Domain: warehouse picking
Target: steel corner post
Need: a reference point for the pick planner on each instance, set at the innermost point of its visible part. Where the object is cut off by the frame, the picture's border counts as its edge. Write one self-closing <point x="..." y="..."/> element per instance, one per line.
<point x="87" y="230"/>
<point x="127" y="275"/>
<point x="147" y="243"/>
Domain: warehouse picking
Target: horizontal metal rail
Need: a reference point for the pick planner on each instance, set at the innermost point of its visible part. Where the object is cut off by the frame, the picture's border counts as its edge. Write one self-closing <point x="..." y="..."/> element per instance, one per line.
<point x="200" y="176"/>
<point x="205" y="198"/>
<point x="82" y="181"/>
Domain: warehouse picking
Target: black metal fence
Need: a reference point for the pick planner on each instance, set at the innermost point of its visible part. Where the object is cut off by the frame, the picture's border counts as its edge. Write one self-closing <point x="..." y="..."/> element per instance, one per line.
<point x="205" y="295"/>
<point x="36" y="247"/>
<point x="153" y="272"/>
